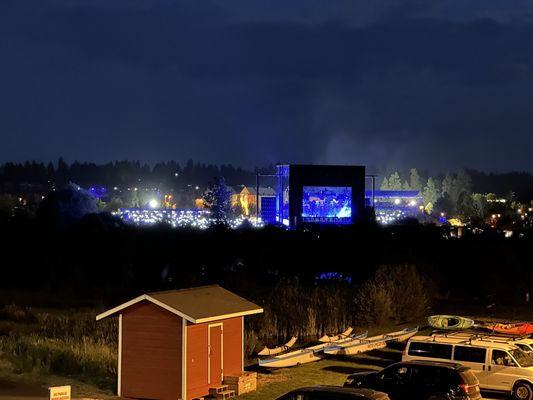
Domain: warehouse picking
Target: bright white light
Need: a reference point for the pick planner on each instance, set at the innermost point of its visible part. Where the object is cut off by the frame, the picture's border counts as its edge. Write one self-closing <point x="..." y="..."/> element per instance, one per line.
<point x="412" y="203"/>
<point x="153" y="203"/>
<point x="396" y="201"/>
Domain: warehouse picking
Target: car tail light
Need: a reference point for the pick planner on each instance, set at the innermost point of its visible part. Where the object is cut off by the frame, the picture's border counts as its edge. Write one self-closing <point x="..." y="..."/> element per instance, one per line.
<point x="468" y="389"/>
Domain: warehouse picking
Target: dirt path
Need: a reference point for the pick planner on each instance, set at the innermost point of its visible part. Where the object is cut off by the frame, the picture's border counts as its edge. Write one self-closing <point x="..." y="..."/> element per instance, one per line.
<point x="17" y="390"/>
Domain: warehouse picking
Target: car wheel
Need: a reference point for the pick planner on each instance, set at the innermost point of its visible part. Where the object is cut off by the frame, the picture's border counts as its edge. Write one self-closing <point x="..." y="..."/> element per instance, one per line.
<point x="523" y="391"/>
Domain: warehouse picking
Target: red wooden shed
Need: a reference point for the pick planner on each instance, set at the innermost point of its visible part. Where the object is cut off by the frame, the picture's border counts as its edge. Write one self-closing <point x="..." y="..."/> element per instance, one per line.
<point x="178" y="344"/>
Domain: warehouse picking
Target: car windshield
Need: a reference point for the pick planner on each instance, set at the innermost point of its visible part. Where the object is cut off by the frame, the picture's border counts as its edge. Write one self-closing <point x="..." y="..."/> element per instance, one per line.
<point x="522" y="358"/>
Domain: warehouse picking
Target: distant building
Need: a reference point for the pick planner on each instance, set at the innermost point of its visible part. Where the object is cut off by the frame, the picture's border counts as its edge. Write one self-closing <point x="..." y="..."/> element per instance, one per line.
<point x="320" y="194"/>
<point x="395" y="205"/>
<point x="246" y="198"/>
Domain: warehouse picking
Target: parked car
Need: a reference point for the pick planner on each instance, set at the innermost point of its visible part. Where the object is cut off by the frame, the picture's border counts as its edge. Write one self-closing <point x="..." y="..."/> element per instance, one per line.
<point x="333" y="393"/>
<point x="499" y="365"/>
<point x="420" y="380"/>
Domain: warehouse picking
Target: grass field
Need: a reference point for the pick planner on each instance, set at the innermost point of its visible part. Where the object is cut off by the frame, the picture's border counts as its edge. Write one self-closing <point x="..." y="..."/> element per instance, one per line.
<point x="331" y="371"/>
<point x="42" y="348"/>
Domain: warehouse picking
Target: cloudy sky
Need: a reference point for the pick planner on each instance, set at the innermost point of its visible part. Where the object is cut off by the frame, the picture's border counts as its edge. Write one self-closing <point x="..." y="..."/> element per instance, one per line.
<point x="434" y="84"/>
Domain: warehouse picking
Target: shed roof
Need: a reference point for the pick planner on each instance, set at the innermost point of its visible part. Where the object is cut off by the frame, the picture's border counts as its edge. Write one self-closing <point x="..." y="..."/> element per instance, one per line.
<point x="197" y="305"/>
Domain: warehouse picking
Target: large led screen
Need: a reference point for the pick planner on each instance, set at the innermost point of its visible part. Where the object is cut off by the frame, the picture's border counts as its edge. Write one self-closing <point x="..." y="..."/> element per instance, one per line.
<point x="327" y="204"/>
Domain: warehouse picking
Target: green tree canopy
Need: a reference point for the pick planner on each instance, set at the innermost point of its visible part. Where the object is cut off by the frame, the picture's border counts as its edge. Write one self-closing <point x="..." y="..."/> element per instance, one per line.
<point x="395" y="182"/>
<point x="217" y="199"/>
<point x="430" y="194"/>
<point x="414" y="180"/>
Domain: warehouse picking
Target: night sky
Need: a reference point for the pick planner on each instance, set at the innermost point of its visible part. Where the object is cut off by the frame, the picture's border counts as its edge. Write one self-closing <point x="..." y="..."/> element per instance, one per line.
<point x="433" y="84"/>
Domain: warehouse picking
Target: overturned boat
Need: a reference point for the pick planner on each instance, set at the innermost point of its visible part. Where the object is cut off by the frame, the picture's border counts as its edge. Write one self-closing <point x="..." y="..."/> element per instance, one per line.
<point x="363" y="345"/>
<point x="276" y="350"/>
<point x="304" y="356"/>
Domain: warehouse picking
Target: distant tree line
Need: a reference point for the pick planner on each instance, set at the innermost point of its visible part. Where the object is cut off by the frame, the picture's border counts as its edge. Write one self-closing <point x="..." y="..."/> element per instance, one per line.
<point x="119" y="173"/>
<point x="467" y="194"/>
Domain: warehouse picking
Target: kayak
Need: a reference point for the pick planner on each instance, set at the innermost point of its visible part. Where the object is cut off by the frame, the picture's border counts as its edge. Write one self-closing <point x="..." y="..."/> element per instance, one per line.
<point x="362" y="345"/>
<point x="450" y="322"/>
<point x="304" y="356"/>
<point x="276" y="350"/>
<point x="343" y="335"/>
<point x="519" y="329"/>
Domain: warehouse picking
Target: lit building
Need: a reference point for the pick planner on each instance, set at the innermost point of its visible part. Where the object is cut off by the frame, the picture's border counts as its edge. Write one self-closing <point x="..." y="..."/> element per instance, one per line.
<point x="247" y="197"/>
<point x="394" y="205"/>
<point x="320" y="194"/>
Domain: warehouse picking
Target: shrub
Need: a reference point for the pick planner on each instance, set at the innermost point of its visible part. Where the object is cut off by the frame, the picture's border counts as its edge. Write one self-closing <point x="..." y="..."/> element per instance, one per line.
<point x="374" y="304"/>
<point x="407" y="290"/>
<point x="17" y="314"/>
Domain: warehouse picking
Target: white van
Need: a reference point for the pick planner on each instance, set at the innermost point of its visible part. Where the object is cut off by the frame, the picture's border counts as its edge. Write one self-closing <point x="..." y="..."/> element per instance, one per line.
<point x="524" y="343"/>
<point x="498" y="365"/>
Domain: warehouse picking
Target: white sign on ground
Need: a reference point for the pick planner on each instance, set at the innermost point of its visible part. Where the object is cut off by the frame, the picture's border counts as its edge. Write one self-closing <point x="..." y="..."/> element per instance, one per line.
<point x="60" y="393"/>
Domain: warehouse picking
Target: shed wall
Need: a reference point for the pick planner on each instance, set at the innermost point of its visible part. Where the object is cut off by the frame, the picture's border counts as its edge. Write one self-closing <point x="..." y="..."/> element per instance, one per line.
<point x="197" y="353"/>
<point x="151" y="353"/>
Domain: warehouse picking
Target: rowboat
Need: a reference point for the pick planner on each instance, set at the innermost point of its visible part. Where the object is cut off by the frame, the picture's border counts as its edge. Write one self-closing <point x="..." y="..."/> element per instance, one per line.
<point x="450" y="322"/>
<point x="518" y="329"/>
<point x="343" y="335"/>
<point x="375" y="342"/>
<point x="276" y="350"/>
<point x="304" y="356"/>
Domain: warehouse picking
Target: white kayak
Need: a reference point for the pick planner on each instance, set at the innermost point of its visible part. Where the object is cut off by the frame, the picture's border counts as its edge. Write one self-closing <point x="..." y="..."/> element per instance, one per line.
<point x="276" y="350"/>
<point x="303" y="356"/>
<point x="330" y="339"/>
<point x="372" y="343"/>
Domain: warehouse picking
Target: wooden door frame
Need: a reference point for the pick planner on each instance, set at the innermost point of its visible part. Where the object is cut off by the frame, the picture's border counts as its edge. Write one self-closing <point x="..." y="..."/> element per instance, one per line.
<point x="209" y="349"/>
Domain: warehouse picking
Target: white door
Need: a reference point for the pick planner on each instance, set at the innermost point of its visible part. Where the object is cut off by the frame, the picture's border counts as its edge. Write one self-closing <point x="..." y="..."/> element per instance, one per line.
<point x="502" y="371"/>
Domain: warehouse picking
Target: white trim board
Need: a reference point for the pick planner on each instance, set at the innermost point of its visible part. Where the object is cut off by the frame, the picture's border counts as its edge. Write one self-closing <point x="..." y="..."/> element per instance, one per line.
<point x="184" y="359"/>
<point x="174" y="311"/>
<point x="119" y="368"/>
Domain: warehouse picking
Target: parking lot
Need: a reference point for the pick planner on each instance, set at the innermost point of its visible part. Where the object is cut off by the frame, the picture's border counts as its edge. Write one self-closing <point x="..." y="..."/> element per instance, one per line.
<point x="330" y="371"/>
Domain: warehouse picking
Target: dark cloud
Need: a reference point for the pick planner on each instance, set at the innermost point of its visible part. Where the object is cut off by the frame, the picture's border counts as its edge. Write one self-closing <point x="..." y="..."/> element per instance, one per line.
<point x="435" y="84"/>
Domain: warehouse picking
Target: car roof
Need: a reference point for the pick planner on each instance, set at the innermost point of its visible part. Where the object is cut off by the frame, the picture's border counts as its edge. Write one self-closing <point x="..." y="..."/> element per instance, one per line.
<point x="463" y="341"/>
<point x="441" y="364"/>
<point x="339" y="389"/>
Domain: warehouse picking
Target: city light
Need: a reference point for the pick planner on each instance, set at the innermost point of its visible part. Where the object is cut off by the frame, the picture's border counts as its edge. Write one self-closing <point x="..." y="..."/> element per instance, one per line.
<point x="194" y="218"/>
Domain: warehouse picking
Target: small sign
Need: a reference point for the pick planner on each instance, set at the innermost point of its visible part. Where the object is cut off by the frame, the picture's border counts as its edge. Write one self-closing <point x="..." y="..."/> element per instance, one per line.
<point x="60" y="393"/>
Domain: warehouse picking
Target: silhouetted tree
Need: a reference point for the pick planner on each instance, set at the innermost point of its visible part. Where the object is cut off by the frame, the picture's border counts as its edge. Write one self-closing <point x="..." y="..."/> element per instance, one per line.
<point x="66" y="206"/>
<point x="217" y="199"/>
<point x="414" y="180"/>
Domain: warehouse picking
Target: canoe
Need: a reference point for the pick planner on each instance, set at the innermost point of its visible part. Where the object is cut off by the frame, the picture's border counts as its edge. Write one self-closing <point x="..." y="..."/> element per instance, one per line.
<point x="276" y="350"/>
<point x="357" y="346"/>
<point x="402" y="336"/>
<point x="375" y="342"/>
<point x="518" y="329"/>
<point x="303" y="356"/>
<point x="450" y="322"/>
<point x="343" y="335"/>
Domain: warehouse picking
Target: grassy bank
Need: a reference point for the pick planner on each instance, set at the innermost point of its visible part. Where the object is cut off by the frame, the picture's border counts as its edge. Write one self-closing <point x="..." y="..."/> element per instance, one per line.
<point x="330" y="371"/>
<point x="58" y="343"/>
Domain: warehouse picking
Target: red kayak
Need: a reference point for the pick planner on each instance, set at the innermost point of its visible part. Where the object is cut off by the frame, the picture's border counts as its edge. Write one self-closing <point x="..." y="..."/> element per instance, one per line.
<point x="521" y="328"/>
